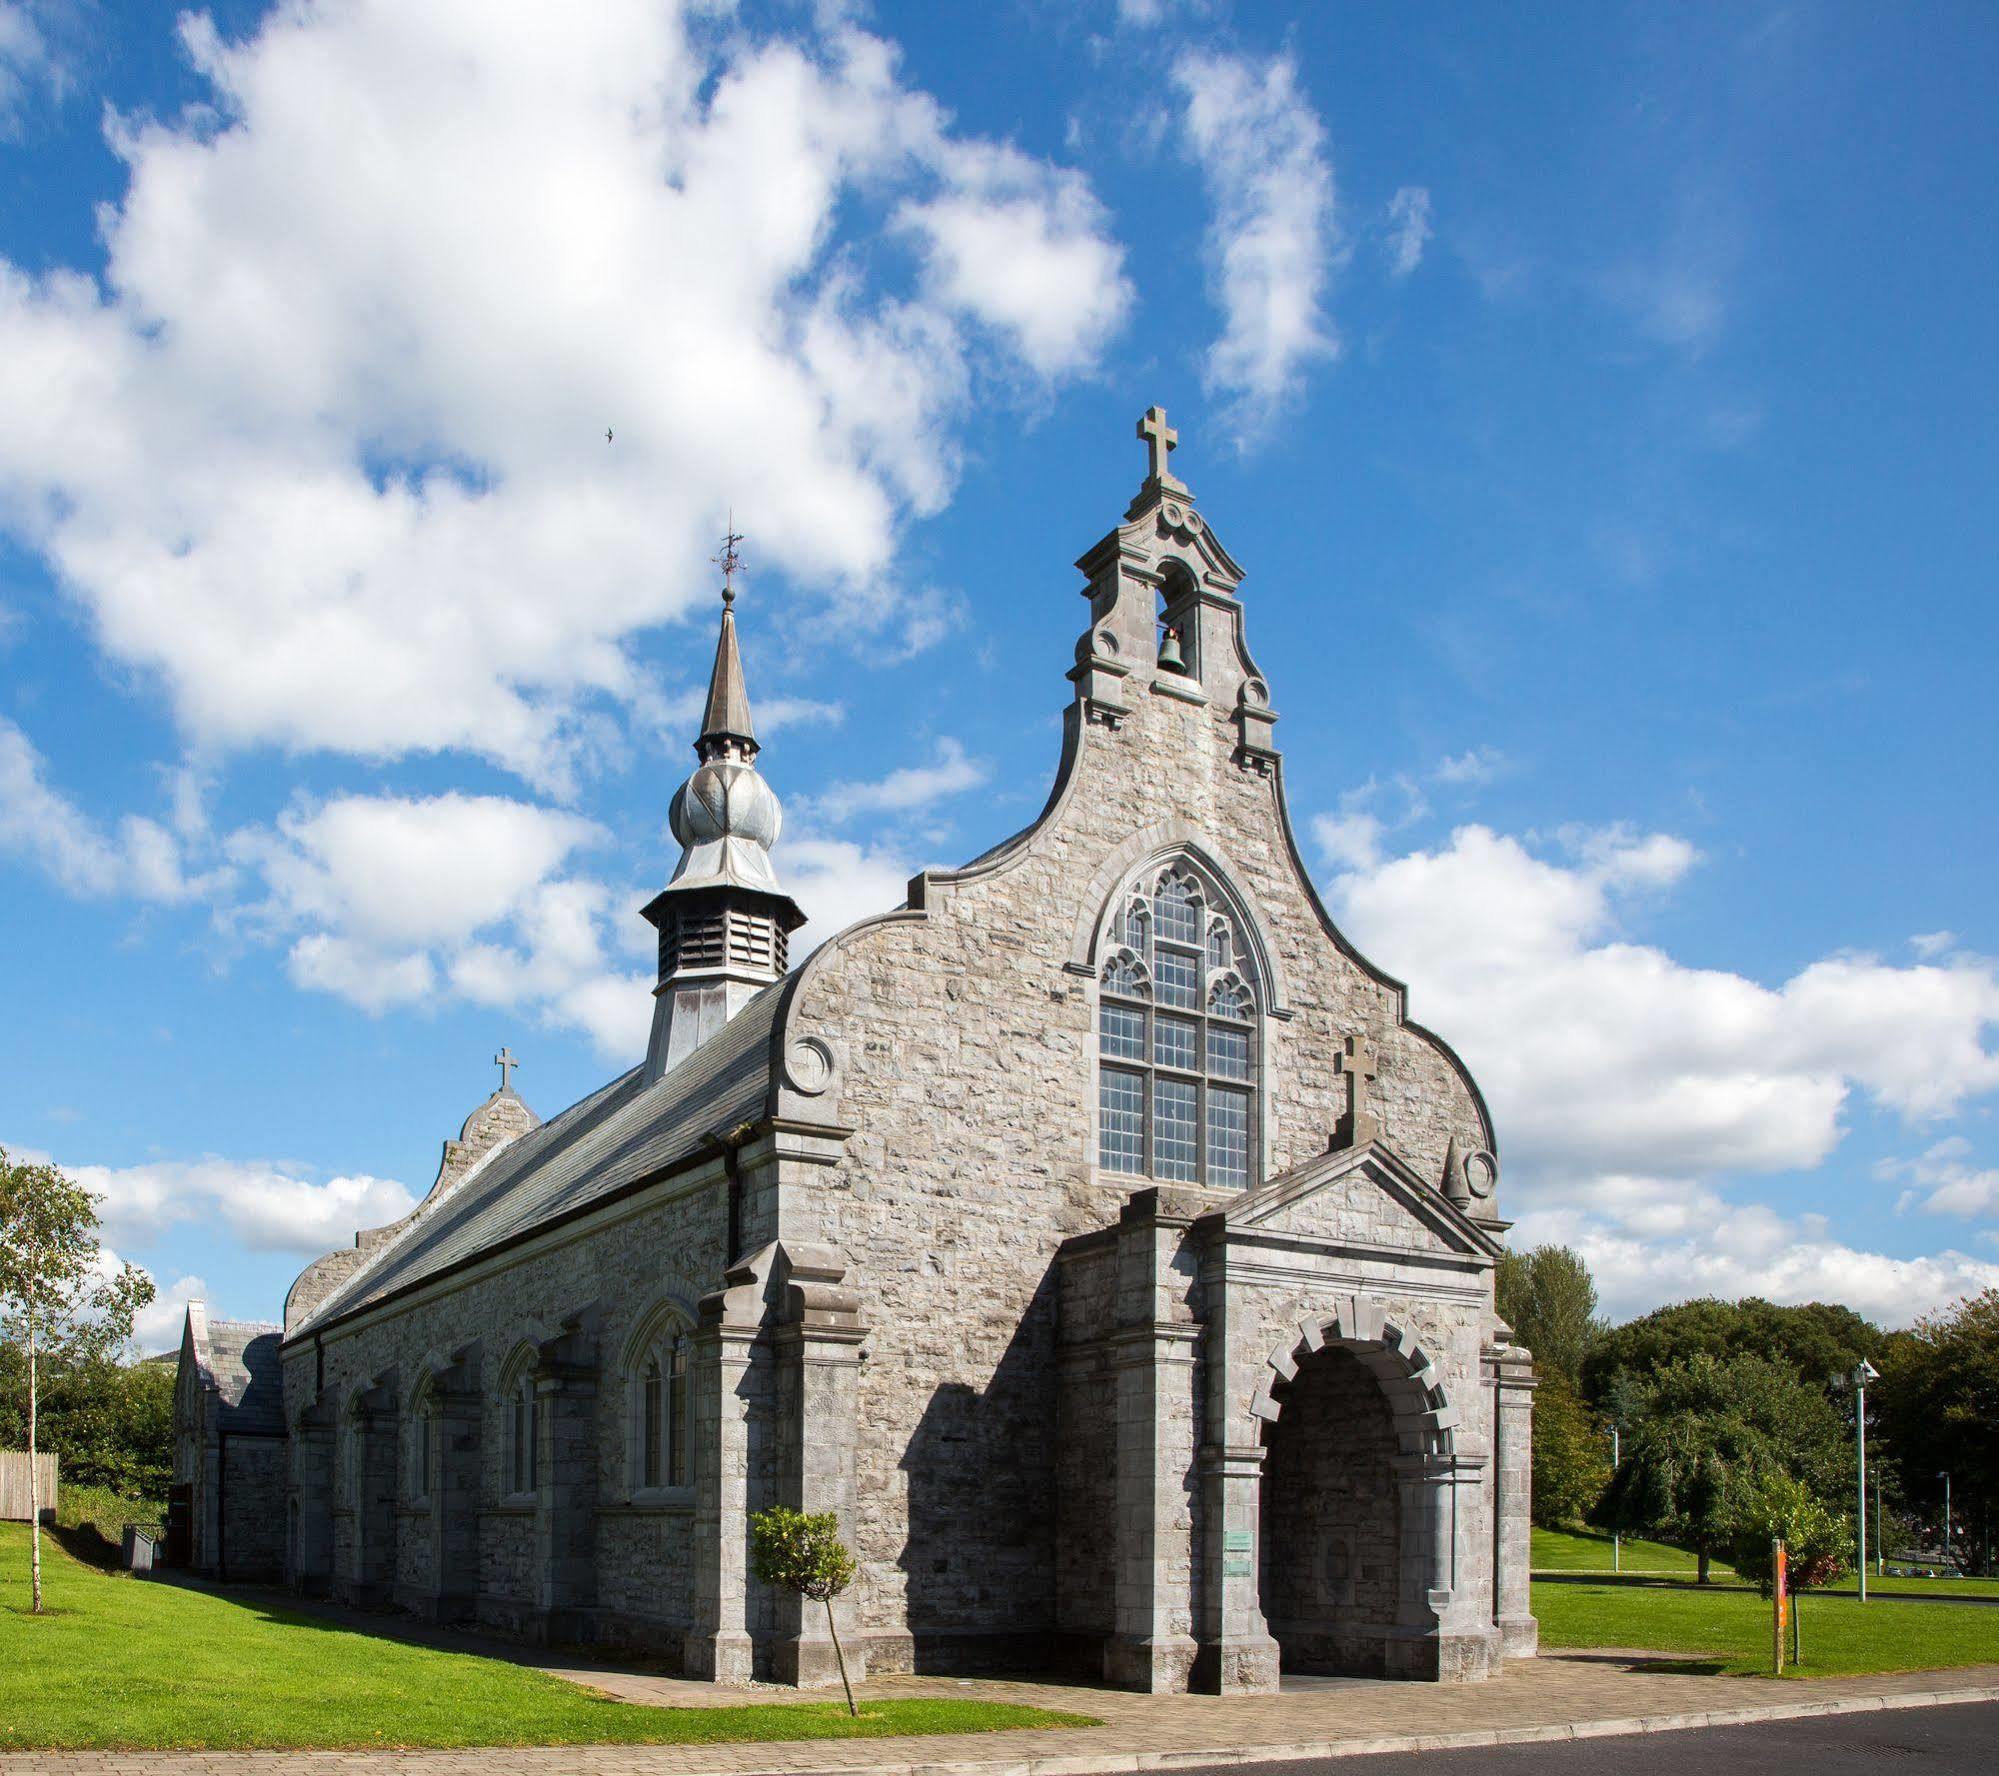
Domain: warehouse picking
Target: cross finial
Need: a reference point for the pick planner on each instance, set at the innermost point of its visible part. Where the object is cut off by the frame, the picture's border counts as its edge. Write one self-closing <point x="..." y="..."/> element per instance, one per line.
<point x="1160" y="441"/>
<point x="1357" y="1063"/>
<point x="729" y="561"/>
<point x="505" y="1061"/>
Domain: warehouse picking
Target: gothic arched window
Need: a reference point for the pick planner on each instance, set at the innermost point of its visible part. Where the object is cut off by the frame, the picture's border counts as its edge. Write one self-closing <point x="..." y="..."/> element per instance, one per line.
<point x="1176" y="1037"/>
<point x="521" y="1422"/>
<point x="658" y="1444"/>
<point x="422" y="1446"/>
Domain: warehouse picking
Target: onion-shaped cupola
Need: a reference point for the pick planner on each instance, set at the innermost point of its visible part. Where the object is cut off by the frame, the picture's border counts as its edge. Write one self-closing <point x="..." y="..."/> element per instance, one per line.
<point x="724" y="923"/>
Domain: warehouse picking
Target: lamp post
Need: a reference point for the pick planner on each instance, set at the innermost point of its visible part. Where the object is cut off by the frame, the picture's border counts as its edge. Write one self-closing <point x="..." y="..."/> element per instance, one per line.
<point x="1616" y="1536"/>
<point x="1943" y="1474"/>
<point x="1865" y="1373"/>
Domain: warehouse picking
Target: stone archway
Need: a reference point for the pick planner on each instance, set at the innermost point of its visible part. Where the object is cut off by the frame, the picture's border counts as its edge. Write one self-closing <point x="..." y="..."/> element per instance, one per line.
<point x="1357" y="1512"/>
<point x="1330" y="1571"/>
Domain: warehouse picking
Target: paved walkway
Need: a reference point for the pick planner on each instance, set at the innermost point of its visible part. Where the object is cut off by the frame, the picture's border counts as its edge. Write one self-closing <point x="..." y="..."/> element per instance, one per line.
<point x="1559" y="1696"/>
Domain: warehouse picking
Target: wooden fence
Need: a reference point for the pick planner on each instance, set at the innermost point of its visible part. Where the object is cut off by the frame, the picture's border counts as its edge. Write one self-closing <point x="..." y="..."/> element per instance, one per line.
<point x="14" y="1483"/>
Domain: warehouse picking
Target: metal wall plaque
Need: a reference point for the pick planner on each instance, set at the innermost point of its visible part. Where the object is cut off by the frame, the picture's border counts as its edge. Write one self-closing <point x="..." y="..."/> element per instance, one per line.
<point x="1235" y="1541"/>
<point x="1235" y="1567"/>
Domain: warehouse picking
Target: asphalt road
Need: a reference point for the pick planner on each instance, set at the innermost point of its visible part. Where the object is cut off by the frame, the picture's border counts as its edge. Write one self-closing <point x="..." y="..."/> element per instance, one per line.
<point x="1959" y="1740"/>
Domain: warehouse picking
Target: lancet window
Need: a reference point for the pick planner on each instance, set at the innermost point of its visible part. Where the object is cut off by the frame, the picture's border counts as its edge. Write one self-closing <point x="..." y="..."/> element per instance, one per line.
<point x="1176" y="1037"/>
<point x="523" y="1425"/>
<point x="658" y="1441"/>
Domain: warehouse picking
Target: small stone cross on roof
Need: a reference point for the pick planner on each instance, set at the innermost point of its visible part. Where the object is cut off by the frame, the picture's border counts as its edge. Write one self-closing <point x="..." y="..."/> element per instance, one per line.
<point x="1358" y="1065"/>
<point x="1160" y="441"/>
<point x="505" y="1061"/>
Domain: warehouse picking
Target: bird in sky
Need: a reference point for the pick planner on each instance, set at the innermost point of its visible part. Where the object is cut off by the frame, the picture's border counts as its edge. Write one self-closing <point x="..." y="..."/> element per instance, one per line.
<point x="607" y="434"/>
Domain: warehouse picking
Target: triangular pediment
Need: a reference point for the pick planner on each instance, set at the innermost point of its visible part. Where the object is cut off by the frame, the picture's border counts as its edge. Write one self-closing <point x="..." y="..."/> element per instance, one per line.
<point x="1363" y="1196"/>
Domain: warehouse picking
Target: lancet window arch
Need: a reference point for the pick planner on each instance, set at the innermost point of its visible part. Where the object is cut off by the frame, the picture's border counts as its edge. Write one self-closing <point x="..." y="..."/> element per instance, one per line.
<point x="656" y="1365"/>
<point x="420" y="1450"/>
<point x="520" y="1426"/>
<point x="1178" y="1063"/>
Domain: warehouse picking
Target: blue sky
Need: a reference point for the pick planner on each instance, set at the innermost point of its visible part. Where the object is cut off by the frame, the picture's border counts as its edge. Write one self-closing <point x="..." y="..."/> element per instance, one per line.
<point x="1602" y="400"/>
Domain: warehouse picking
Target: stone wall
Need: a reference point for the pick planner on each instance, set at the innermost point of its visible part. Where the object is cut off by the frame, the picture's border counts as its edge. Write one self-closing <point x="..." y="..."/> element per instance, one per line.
<point x="967" y="1035"/>
<point x="611" y="1280"/>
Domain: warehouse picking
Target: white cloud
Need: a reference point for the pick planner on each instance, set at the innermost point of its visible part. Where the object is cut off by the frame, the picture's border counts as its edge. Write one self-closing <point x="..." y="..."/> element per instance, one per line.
<point x="837" y="882"/>
<point x="1260" y="148"/>
<point x="907" y="787"/>
<point x="389" y="901"/>
<point x="324" y="449"/>
<point x="1408" y="229"/>
<point x="1650" y="1240"/>
<point x="266" y="1206"/>
<point x="1605" y="1057"/>
<point x="140" y="857"/>
<point x="1941" y="1181"/>
<point x="1473" y="768"/>
<point x="25" y="62"/>
<point x="158" y="1326"/>
<point x="1627" y="1086"/>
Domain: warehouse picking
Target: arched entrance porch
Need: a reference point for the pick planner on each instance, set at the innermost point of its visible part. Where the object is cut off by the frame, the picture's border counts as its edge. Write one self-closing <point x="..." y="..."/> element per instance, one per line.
<point x="1358" y="1506"/>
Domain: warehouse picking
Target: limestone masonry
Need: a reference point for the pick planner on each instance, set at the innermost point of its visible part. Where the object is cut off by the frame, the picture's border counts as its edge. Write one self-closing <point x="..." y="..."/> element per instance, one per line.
<point x="1094" y="1234"/>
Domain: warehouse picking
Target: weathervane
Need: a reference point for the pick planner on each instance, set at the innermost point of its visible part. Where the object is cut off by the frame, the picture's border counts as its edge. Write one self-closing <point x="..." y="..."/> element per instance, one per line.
<point x="729" y="560"/>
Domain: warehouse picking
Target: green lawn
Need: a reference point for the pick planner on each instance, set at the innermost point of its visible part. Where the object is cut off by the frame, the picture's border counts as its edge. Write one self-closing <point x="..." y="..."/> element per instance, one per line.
<point x="1562" y="1550"/>
<point x="1732" y="1627"/>
<point x="129" y="1663"/>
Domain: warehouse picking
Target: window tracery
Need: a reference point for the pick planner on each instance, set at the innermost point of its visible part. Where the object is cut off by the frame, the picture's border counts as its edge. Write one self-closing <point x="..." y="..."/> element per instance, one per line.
<point x="1176" y="1037"/>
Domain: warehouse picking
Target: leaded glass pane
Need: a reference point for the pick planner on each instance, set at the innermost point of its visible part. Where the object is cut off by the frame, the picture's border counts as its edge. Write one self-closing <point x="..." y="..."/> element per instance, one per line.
<point x="1228" y="1137"/>
<point x="652" y="1428"/>
<point x="1179" y="978"/>
<point x="1218" y="945"/>
<point x="1176" y="1043"/>
<point x="1121" y="1120"/>
<point x="1131" y="927"/>
<point x="1178" y="905"/>
<point x="1121" y="1031"/>
<point x="1124" y="974"/>
<point x="1173" y="1150"/>
<point x="1228" y="1052"/>
<point x="1230" y="999"/>
<point x="676" y="1413"/>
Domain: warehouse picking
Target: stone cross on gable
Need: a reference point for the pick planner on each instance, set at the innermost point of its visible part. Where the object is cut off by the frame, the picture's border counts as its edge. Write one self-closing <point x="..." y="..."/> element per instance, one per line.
<point x="1357" y="1063"/>
<point x="1160" y="441"/>
<point x="505" y="1061"/>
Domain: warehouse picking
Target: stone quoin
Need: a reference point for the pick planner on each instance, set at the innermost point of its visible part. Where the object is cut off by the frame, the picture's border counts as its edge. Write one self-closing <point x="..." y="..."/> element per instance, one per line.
<point x="1094" y="1233"/>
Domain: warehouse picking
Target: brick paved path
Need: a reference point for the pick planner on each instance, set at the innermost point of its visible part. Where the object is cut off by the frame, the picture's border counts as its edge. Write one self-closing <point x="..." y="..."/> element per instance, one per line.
<point x="1556" y="1696"/>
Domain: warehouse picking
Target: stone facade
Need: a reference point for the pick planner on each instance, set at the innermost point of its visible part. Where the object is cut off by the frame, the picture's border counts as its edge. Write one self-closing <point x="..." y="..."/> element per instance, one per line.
<point x="1129" y="1296"/>
<point x="226" y="1501"/>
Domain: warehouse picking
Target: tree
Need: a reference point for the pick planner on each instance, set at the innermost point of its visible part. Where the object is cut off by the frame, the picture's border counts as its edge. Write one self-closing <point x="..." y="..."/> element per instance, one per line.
<point x="1938" y="1399"/>
<point x="801" y="1553"/>
<point x="1700" y="1437"/>
<point x="110" y="1423"/>
<point x="1818" y="1545"/>
<point x="1571" y="1455"/>
<point x="55" y="1299"/>
<point x="1549" y="1299"/>
<point x="1822" y="1342"/>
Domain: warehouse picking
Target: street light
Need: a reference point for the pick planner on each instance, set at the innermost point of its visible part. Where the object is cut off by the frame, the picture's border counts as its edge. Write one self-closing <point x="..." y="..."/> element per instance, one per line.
<point x="1616" y="1537"/>
<point x="1943" y="1474"/>
<point x="1865" y="1373"/>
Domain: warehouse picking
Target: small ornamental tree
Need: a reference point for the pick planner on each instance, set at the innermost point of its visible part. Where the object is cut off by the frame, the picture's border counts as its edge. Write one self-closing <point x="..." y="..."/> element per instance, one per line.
<point x="1818" y="1546"/>
<point x="801" y="1553"/>
<point x="56" y="1298"/>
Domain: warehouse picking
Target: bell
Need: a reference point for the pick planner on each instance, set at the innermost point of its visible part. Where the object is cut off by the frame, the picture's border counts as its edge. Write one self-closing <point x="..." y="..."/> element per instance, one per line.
<point x="1170" y="657"/>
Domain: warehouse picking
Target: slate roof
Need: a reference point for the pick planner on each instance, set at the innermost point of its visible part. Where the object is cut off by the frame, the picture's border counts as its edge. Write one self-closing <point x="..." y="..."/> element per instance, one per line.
<point x="239" y="1359"/>
<point x="618" y="1135"/>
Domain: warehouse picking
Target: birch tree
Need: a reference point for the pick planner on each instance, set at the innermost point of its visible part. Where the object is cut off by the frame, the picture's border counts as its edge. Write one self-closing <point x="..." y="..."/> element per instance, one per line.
<point x="58" y="1299"/>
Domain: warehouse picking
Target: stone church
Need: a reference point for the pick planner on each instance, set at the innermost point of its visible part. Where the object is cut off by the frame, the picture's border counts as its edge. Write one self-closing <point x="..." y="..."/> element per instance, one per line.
<point x="1094" y="1233"/>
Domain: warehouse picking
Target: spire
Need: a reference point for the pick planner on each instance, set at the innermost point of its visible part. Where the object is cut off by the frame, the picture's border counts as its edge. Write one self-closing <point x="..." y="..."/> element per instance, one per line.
<point x="723" y="920"/>
<point x="728" y="714"/>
